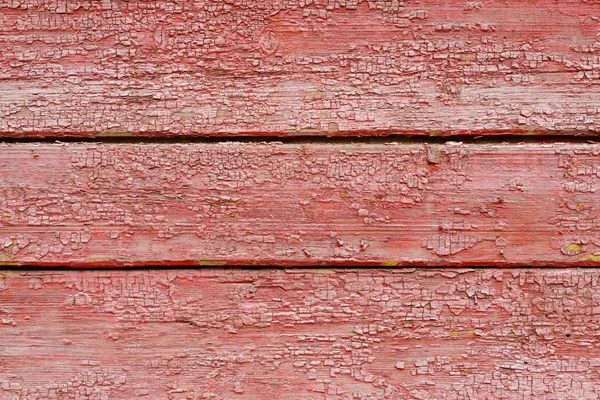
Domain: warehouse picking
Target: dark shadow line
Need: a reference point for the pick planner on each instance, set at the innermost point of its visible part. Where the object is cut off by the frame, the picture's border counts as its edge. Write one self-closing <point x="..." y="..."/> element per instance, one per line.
<point x="310" y="139"/>
<point x="304" y="268"/>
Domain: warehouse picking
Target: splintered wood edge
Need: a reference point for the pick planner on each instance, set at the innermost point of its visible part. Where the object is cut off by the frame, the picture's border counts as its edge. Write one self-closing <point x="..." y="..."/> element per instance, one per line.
<point x="258" y="204"/>
<point x="120" y="69"/>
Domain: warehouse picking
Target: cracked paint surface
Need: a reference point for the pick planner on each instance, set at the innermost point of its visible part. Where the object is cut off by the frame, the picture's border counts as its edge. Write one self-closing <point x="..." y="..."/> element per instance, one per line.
<point x="107" y="68"/>
<point x="299" y="204"/>
<point x="300" y="334"/>
<point x="298" y="67"/>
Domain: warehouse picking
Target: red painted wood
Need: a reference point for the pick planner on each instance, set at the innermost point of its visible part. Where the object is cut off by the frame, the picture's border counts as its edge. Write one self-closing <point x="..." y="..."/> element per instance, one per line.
<point x="115" y="67"/>
<point x="299" y="204"/>
<point x="277" y="68"/>
<point x="313" y="334"/>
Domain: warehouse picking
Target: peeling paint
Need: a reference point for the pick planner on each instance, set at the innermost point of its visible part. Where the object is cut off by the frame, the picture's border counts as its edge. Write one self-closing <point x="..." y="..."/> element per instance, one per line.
<point x="355" y="333"/>
<point x="298" y="67"/>
<point x="291" y="204"/>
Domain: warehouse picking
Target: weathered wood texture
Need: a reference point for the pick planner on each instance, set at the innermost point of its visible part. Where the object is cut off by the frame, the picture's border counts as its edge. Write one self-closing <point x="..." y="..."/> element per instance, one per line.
<point x="242" y="334"/>
<point x="164" y="67"/>
<point x="294" y="204"/>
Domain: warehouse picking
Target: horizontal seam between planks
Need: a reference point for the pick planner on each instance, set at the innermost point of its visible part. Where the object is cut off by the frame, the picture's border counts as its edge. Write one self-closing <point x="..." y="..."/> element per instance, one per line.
<point x="483" y="138"/>
<point x="306" y="267"/>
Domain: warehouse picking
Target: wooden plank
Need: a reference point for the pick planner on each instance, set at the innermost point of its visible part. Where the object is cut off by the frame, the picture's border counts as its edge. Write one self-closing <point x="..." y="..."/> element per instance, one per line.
<point x="299" y="204"/>
<point x="165" y="67"/>
<point x="353" y="334"/>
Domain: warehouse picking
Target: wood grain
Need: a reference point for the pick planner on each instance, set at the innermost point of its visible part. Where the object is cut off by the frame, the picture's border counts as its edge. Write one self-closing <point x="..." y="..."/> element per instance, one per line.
<point x="299" y="204"/>
<point x="298" y="67"/>
<point x="312" y="334"/>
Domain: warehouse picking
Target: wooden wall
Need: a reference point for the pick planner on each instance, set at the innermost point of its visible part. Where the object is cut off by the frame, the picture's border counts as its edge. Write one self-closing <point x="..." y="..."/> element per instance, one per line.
<point x="299" y="199"/>
<point x="298" y="67"/>
<point x="300" y="334"/>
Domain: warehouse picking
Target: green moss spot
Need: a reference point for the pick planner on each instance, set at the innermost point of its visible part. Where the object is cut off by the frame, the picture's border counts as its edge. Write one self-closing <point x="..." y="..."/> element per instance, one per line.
<point x="389" y="263"/>
<point x="590" y="257"/>
<point x="211" y="263"/>
<point x="574" y="247"/>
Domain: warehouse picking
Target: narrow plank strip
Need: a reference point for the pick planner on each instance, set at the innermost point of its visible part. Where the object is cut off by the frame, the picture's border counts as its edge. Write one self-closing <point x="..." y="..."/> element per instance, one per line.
<point x="241" y="334"/>
<point x="299" y="204"/>
<point x="212" y="67"/>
